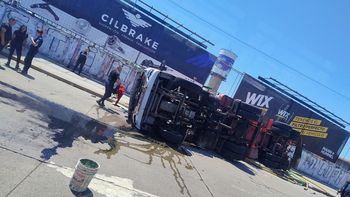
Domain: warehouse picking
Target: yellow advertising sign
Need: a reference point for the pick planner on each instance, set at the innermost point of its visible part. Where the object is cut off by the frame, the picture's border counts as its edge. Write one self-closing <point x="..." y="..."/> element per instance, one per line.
<point x="298" y="125"/>
<point x="307" y="120"/>
<point x="309" y="127"/>
<point x="314" y="134"/>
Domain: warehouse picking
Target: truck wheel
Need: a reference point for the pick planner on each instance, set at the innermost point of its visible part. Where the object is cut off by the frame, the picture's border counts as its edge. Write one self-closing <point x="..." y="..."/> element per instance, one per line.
<point x="273" y="158"/>
<point x="284" y="165"/>
<point x="239" y="149"/>
<point x="271" y="164"/>
<point x="231" y="156"/>
<point x="172" y="136"/>
<point x="262" y="155"/>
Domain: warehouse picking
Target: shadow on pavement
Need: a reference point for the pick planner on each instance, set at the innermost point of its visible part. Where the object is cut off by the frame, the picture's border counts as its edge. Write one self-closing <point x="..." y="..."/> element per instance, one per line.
<point x="243" y="167"/>
<point x="111" y="111"/>
<point x="28" y="76"/>
<point x="63" y="125"/>
<point x="86" y="193"/>
<point x="240" y="165"/>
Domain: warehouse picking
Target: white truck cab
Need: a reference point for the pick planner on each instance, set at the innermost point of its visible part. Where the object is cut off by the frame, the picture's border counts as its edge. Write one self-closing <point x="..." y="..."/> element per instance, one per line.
<point x="165" y="102"/>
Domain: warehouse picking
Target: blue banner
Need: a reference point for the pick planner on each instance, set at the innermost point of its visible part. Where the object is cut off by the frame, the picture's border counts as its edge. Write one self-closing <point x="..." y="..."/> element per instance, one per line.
<point x="122" y="22"/>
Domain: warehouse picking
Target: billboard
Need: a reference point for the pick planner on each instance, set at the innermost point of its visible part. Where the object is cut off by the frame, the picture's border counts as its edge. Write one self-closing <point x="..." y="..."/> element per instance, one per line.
<point x="120" y="28"/>
<point x="319" y="135"/>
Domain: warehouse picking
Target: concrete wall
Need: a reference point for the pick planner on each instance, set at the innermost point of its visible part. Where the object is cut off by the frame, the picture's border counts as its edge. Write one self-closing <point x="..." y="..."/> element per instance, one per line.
<point x="63" y="48"/>
<point x="334" y="174"/>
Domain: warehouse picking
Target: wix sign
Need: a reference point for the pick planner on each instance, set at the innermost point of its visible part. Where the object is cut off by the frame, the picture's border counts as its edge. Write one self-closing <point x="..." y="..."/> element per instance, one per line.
<point x="259" y="100"/>
<point x="282" y="108"/>
<point x="283" y="114"/>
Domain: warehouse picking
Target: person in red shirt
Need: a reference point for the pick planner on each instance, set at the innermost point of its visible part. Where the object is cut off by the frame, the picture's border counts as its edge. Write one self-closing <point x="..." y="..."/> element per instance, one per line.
<point x="120" y="91"/>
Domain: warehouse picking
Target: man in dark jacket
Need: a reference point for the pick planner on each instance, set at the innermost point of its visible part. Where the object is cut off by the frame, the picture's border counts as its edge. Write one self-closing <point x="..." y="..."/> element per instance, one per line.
<point x="6" y="33"/>
<point x="81" y="60"/>
<point x="113" y="77"/>
<point x="18" y="40"/>
<point x="33" y="50"/>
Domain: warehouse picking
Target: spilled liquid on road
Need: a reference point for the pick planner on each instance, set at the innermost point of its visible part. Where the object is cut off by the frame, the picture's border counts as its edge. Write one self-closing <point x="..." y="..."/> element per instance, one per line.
<point x="67" y="132"/>
<point x="153" y="149"/>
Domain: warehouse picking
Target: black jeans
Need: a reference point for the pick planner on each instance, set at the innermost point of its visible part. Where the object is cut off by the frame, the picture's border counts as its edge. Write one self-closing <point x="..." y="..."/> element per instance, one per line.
<point x="108" y="91"/>
<point x="28" y="60"/>
<point x="80" y="63"/>
<point x="18" y="52"/>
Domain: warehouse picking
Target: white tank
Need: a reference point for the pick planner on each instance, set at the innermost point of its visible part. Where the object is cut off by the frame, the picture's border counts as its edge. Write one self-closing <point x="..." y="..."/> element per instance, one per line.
<point x="221" y="69"/>
<point x="224" y="63"/>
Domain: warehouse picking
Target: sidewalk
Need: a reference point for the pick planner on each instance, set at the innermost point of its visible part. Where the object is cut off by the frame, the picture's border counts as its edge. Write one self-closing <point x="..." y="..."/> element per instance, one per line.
<point x="67" y="76"/>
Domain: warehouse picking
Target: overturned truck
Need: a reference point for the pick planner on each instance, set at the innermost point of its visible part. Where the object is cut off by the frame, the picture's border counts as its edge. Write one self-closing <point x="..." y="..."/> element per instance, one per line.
<point x="179" y="110"/>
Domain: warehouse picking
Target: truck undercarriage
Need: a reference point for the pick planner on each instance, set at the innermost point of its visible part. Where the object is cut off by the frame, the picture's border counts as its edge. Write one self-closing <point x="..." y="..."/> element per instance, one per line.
<point x="178" y="110"/>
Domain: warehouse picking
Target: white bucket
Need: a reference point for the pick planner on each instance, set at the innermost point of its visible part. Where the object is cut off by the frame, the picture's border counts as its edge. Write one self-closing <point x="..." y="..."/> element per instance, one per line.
<point x="83" y="174"/>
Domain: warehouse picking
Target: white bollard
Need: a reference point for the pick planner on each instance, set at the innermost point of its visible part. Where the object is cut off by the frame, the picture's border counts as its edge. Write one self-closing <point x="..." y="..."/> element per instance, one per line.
<point x="83" y="174"/>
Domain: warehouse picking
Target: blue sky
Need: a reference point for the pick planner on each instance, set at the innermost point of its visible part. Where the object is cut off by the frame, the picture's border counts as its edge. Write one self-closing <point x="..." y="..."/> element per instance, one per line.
<point x="312" y="37"/>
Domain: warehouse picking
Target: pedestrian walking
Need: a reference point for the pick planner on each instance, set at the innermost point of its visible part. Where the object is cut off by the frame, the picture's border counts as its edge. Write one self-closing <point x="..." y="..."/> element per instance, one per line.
<point x="17" y="43"/>
<point x="113" y="77"/>
<point x="81" y="60"/>
<point x="6" y="33"/>
<point x="33" y="50"/>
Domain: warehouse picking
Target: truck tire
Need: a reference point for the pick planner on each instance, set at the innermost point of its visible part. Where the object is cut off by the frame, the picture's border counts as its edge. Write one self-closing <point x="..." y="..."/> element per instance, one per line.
<point x="239" y="149"/>
<point x="248" y="115"/>
<point x="271" y="164"/>
<point x="173" y="137"/>
<point x="284" y="165"/>
<point x="272" y="157"/>
<point x="280" y="132"/>
<point x="231" y="156"/>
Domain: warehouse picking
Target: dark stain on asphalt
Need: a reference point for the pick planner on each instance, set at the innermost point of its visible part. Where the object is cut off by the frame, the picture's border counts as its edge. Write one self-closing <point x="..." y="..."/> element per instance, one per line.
<point x="153" y="149"/>
<point x="66" y="132"/>
<point x="20" y="110"/>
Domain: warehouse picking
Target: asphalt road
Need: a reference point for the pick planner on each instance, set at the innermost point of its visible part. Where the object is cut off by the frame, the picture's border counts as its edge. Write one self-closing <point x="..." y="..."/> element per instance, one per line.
<point x="47" y="125"/>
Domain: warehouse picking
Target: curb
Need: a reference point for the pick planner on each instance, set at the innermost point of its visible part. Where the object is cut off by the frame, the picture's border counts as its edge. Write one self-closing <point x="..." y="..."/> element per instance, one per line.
<point x="64" y="80"/>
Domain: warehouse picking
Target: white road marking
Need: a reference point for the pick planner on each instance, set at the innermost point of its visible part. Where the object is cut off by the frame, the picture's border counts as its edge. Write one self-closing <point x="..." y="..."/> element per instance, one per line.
<point x="109" y="186"/>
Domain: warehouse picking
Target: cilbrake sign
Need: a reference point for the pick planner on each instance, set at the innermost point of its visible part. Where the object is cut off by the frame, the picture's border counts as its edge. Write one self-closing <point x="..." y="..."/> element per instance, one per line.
<point x="127" y="31"/>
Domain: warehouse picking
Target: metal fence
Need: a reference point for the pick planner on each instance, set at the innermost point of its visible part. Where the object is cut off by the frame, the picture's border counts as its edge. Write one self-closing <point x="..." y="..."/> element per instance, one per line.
<point x="62" y="46"/>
